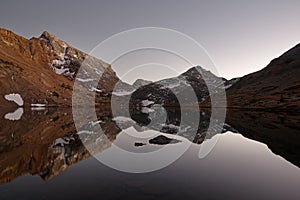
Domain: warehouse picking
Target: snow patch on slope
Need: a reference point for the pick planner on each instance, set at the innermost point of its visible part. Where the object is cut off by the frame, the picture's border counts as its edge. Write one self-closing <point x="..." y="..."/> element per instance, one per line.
<point x="94" y="89"/>
<point x="15" y="98"/>
<point x="122" y="119"/>
<point x="58" y="65"/>
<point x="122" y="92"/>
<point x="84" y="80"/>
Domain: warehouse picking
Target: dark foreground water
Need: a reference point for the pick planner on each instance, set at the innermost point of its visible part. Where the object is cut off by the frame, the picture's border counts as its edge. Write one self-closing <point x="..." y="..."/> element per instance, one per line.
<point x="42" y="156"/>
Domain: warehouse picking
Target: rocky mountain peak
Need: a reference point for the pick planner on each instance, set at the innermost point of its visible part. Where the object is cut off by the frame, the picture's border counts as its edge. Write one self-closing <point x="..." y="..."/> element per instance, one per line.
<point x="140" y="82"/>
<point x="42" y="69"/>
<point x="56" y="45"/>
<point x="46" y="35"/>
<point x="52" y="39"/>
<point x="198" y="70"/>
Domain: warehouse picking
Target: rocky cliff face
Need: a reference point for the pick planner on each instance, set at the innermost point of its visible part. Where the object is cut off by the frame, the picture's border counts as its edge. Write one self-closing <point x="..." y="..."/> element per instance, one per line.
<point x="42" y="70"/>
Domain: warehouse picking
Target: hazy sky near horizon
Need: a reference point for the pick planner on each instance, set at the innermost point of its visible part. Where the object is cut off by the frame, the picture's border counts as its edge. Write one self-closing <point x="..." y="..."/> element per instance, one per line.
<point x="240" y="36"/>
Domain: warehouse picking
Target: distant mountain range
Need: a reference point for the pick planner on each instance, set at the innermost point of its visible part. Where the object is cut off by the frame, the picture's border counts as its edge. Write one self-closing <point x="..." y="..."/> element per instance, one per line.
<point x="42" y="70"/>
<point x="274" y="88"/>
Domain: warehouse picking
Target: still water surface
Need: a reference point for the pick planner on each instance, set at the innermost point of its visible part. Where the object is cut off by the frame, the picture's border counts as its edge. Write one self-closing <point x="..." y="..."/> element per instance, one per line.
<point x="257" y="156"/>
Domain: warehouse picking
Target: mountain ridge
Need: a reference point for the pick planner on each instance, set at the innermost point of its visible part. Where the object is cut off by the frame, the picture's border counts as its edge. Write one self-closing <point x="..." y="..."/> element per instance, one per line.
<point x="276" y="86"/>
<point x="42" y="69"/>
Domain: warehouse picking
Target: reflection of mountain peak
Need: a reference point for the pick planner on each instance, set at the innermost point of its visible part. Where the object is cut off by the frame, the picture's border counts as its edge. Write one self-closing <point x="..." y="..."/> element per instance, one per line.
<point x="163" y="140"/>
<point x="60" y="146"/>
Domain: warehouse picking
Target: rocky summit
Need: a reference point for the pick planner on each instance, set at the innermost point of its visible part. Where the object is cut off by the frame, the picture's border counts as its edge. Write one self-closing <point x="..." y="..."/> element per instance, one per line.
<point x="41" y="70"/>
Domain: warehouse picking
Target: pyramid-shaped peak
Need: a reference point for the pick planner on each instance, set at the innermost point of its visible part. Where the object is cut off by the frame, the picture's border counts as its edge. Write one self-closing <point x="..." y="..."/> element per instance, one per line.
<point x="47" y="35"/>
<point x="55" y="42"/>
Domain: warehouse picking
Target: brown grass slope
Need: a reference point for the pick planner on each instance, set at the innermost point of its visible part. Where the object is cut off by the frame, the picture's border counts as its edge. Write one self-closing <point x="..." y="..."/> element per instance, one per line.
<point x="277" y="86"/>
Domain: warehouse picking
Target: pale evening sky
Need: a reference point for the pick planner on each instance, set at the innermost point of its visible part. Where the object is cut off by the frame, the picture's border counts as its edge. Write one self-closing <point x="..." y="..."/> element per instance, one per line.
<point x="240" y="36"/>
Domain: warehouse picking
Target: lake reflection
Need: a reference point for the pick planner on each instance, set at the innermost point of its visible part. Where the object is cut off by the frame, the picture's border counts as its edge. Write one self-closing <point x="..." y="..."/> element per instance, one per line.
<point x="257" y="156"/>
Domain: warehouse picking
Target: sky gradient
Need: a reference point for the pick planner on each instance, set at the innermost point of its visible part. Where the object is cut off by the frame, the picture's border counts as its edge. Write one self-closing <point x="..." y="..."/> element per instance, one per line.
<point x="240" y="36"/>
